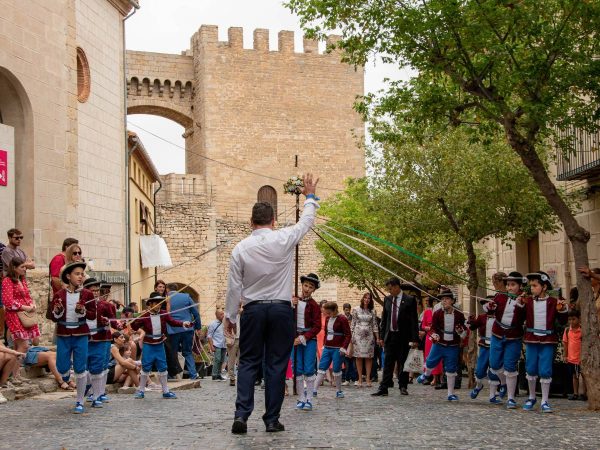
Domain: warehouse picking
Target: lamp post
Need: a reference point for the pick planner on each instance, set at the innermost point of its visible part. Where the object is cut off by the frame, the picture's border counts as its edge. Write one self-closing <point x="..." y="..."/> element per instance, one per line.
<point x="294" y="186"/>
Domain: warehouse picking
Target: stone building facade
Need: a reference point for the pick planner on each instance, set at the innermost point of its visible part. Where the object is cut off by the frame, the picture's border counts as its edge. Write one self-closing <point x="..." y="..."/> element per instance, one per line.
<point x="273" y="114"/>
<point x="61" y="90"/>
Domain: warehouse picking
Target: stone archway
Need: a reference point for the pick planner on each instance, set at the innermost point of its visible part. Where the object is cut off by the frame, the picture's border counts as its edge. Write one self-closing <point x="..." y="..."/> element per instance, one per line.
<point x="16" y="112"/>
<point x="188" y="290"/>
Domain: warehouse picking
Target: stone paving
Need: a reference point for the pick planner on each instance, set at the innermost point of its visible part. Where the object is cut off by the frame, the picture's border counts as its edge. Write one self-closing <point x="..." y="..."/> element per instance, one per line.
<point x="201" y="418"/>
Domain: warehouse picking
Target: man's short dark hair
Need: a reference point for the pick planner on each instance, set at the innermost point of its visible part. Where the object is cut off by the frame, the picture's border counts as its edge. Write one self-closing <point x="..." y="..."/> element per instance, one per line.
<point x="394" y="281"/>
<point x="262" y="213"/>
<point x="347" y="305"/>
<point x="14" y="231"/>
<point x="68" y="242"/>
<point x="172" y="287"/>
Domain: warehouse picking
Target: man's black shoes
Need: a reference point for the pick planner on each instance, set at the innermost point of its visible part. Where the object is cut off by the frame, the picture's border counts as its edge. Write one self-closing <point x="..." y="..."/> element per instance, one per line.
<point x="403" y="391"/>
<point x="380" y="393"/>
<point x="239" y="426"/>
<point x="275" y="427"/>
<point x="218" y="378"/>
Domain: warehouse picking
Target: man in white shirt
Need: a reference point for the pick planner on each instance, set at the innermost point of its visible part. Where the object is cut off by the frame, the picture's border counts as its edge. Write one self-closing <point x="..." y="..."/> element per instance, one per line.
<point x="260" y="273"/>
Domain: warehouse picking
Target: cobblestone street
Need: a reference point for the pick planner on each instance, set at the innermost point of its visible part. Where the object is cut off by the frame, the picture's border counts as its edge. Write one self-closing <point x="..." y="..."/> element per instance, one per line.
<point x="201" y="418"/>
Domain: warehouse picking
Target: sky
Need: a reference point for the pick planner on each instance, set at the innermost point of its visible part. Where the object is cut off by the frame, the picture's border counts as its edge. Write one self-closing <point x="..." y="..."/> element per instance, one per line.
<point x="166" y="26"/>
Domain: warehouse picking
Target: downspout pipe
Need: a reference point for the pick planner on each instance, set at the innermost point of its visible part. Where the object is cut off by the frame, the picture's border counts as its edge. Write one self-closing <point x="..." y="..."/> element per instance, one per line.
<point x="136" y="6"/>
<point x="160" y="185"/>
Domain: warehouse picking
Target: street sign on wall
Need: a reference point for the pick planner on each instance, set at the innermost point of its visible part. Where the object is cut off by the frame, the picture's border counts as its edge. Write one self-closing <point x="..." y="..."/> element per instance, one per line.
<point x="3" y="168"/>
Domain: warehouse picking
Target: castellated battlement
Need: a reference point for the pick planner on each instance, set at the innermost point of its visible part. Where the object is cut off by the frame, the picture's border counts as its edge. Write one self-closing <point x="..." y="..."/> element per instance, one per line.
<point x="208" y="36"/>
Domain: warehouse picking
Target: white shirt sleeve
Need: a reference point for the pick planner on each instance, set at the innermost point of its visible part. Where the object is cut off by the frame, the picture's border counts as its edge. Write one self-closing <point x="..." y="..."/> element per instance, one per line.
<point x="234" y="287"/>
<point x="296" y="232"/>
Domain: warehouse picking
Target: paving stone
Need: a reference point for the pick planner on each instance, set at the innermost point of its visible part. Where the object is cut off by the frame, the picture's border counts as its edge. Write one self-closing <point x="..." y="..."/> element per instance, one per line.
<point x="201" y="418"/>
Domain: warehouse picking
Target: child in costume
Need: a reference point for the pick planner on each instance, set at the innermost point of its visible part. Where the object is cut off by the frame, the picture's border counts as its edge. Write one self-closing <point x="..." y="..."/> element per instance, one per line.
<point x="507" y="333"/>
<point x="448" y="326"/>
<point x="304" y="353"/>
<point x="335" y="345"/>
<point x="154" y="323"/>
<point x="541" y="312"/>
<point x="99" y="343"/>
<point x="483" y="324"/>
<point x="71" y="307"/>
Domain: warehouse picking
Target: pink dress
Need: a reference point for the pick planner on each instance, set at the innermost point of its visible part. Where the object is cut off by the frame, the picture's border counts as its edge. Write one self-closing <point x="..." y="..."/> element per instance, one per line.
<point x="427" y="319"/>
<point x="15" y="295"/>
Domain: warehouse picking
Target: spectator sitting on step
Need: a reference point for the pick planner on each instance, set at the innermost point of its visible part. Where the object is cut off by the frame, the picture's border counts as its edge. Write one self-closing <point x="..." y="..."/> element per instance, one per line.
<point x="122" y="368"/>
<point x="9" y="362"/>
<point x="42" y="357"/>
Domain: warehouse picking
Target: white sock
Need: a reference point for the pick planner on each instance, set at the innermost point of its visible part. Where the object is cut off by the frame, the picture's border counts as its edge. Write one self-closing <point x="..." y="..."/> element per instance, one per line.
<point x="81" y="381"/>
<point x="97" y="385"/>
<point x="545" y="384"/>
<point x="428" y="371"/>
<point x="478" y="383"/>
<point x="310" y="385"/>
<point x="531" y="381"/>
<point x="143" y="381"/>
<point x="300" y="388"/>
<point x="318" y="381"/>
<point x="511" y="384"/>
<point x="493" y="388"/>
<point x="338" y="382"/>
<point x="162" y="377"/>
<point x="450" y="379"/>
<point x="104" y="380"/>
<point x="502" y="377"/>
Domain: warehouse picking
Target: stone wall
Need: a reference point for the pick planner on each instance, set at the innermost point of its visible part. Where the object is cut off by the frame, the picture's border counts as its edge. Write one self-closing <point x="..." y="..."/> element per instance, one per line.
<point x="188" y="225"/>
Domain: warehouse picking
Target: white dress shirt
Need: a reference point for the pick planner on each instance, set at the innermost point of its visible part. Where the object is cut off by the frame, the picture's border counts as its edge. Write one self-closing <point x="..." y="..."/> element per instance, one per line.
<point x="261" y="266"/>
<point x="398" y="301"/>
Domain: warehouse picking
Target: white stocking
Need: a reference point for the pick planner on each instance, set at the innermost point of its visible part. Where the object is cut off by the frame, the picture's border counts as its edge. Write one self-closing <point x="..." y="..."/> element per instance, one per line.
<point x="104" y="379"/>
<point x="97" y="385"/>
<point x="545" y="384"/>
<point x="143" y="381"/>
<point x="81" y="381"/>
<point x="493" y="388"/>
<point x="531" y="381"/>
<point x="300" y="388"/>
<point x="310" y="386"/>
<point x="511" y="384"/>
<point x="162" y="377"/>
<point x="319" y="380"/>
<point x="450" y="379"/>
<point x="479" y="383"/>
<point x="502" y="377"/>
<point x="338" y="381"/>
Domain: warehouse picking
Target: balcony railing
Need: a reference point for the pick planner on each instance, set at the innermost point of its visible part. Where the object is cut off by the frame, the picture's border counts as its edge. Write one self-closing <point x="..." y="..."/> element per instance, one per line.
<point x="584" y="162"/>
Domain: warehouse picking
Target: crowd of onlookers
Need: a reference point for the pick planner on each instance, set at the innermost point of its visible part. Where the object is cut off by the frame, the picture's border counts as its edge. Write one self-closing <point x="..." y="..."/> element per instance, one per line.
<point x="208" y="350"/>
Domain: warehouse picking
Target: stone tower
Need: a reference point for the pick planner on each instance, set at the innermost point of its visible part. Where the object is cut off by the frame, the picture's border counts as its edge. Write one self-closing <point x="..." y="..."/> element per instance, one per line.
<point x="272" y="114"/>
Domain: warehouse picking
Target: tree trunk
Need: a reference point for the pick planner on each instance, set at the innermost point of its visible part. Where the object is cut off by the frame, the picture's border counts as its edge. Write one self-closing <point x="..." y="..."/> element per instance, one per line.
<point x="579" y="237"/>
<point x="473" y="286"/>
<point x="472" y="273"/>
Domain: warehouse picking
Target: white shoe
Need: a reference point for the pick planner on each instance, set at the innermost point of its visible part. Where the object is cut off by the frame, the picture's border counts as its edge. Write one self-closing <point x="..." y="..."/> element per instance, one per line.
<point x="356" y="383"/>
<point x="2" y="399"/>
<point x="345" y="383"/>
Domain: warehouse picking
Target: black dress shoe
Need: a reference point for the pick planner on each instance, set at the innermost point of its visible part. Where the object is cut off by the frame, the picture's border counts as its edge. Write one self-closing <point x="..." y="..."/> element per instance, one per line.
<point x="239" y="426"/>
<point x="275" y="427"/>
<point x="403" y="391"/>
<point x="218" y="378"/>
<point x="441" y="386"/>
<point x="380" y="393"/>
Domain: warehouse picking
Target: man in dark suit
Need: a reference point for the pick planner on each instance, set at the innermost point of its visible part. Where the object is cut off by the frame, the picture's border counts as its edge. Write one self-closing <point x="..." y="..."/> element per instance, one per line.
<point x="399" y="332"/>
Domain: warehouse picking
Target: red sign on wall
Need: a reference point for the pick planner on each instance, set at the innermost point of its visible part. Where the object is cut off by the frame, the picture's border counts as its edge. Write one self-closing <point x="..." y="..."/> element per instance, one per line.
<point x="3" y="168"/>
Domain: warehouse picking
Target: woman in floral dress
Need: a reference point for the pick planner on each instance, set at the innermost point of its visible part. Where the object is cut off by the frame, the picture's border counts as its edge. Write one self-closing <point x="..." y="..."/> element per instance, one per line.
<point x="365" y="333"/>
<point x="16" y="297"/>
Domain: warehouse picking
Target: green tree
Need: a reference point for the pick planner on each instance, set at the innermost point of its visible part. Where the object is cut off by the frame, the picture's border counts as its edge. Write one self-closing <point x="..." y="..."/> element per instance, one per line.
<point x="453" y="190"/>
<point x="526" y="68"/>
